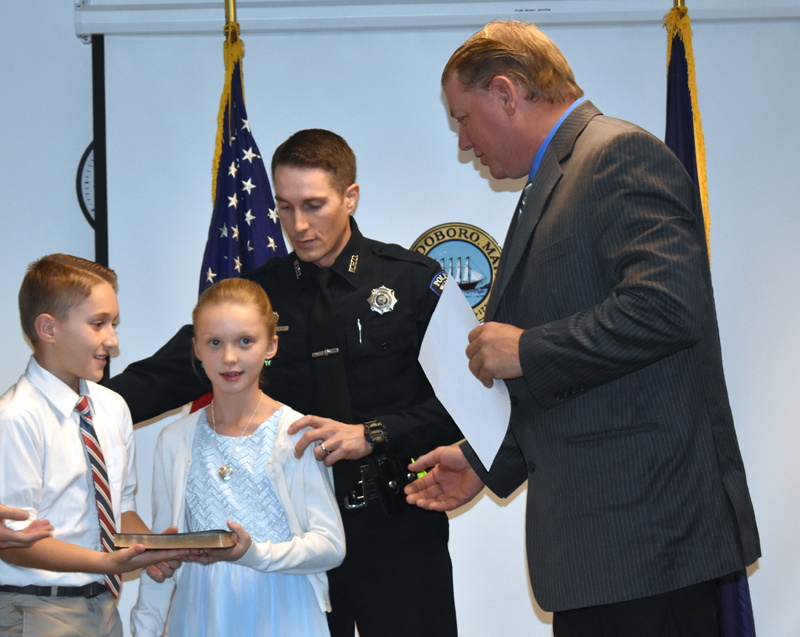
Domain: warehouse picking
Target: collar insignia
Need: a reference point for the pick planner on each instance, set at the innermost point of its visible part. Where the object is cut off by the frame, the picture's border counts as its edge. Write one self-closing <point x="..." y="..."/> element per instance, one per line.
<point x="353" y="263"/>
<point x="297" y="271"/>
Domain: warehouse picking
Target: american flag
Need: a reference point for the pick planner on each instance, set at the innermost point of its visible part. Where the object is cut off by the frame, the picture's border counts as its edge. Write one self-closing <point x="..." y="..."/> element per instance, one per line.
<point x="244" y="231"/>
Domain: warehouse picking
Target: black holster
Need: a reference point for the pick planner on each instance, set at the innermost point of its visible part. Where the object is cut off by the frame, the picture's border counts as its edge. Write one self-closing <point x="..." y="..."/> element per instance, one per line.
<point x="383" y="481"/>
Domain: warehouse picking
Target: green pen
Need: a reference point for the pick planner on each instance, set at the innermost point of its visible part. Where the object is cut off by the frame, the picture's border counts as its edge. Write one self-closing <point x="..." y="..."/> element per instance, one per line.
<point x="419" y="473"/>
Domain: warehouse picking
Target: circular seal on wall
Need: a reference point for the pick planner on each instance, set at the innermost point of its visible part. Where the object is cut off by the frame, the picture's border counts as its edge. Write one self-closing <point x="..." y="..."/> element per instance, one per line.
<point x="469" y="256"/>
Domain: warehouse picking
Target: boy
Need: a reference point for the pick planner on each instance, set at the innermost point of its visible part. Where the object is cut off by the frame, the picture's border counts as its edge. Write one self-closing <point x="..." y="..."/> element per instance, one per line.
<point x="67" y="453"/>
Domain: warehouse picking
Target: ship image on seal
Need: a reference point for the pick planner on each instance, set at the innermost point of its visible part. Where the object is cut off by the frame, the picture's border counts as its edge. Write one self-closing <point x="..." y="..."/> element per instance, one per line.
<point x="467" y="279"/>
<point x="468" y="255"/>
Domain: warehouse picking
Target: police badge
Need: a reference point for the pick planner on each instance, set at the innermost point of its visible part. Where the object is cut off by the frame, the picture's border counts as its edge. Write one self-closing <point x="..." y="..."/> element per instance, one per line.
<point x="382" y="300"/>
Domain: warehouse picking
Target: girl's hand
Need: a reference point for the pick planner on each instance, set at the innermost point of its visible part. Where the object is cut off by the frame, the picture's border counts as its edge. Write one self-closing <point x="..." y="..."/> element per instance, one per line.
<point x="243" y="542"/>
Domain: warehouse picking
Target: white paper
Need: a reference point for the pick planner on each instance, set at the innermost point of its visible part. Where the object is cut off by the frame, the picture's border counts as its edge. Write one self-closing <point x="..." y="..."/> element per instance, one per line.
<point x="482" y="414"/>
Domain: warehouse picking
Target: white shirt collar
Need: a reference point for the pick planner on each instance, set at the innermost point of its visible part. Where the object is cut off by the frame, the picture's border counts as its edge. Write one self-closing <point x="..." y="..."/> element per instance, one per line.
<point x="57" y="392"/>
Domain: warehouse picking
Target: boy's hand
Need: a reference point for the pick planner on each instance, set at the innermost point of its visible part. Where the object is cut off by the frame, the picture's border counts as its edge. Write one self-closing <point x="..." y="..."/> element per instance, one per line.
<point x="163" y="570"/>
<point x="36" y="530"/>
<point x="136" y="557"/>
<point x="243" y="543"/>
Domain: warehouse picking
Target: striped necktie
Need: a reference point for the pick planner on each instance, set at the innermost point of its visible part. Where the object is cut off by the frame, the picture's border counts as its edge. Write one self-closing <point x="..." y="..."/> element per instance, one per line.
<point x="102" y="493"/>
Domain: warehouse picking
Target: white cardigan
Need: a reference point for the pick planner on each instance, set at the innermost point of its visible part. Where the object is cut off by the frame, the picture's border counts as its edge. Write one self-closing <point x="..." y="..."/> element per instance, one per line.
<point x="305" y="489"/>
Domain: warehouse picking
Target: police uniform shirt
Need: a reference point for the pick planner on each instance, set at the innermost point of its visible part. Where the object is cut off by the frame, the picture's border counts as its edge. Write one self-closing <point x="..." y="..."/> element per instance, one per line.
<point x="380" y="350"/>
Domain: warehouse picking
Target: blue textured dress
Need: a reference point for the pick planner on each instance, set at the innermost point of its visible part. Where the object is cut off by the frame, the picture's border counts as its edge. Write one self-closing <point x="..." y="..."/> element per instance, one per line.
<point x="225" y="599"/>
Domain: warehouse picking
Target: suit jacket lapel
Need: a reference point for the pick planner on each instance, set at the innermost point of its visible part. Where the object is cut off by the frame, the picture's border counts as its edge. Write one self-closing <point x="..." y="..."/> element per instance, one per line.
<point x="523" y="225"/>
<point x="547" y="176"/>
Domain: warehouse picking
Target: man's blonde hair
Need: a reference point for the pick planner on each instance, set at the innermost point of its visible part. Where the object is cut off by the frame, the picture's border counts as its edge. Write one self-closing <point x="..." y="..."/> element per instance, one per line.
<point x="55" y="284"/>
<point x="519" y="51"/>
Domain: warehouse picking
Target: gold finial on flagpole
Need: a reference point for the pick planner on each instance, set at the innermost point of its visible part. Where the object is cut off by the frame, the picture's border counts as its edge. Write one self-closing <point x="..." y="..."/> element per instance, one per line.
<point x="231" y="26"/>
<point x="230" y="11"/>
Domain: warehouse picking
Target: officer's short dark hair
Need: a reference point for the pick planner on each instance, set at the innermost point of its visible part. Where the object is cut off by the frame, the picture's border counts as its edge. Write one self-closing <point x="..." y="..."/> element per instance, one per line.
<point x="318" y="148"/>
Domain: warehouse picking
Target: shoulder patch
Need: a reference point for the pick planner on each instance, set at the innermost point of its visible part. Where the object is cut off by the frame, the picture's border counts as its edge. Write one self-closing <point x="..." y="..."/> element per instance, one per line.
<point x="437" y="284"/>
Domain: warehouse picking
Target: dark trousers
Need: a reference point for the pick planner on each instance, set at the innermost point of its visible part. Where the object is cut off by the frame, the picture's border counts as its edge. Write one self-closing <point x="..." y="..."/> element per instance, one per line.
<point x="686" y="612"/>
<point x="396" y="579"/>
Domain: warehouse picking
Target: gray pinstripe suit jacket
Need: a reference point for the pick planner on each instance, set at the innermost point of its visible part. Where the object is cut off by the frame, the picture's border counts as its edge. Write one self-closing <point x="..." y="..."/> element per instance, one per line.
<point x="621" y="422"/>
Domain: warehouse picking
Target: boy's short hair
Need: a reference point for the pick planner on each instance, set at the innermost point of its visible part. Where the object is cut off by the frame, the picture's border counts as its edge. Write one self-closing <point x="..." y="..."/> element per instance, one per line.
<point x="55" y="284"/>
<point x="319" y="148"/>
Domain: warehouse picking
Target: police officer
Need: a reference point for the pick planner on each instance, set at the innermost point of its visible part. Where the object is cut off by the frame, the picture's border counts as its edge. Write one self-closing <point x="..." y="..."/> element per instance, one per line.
<point x="352" y="314"/>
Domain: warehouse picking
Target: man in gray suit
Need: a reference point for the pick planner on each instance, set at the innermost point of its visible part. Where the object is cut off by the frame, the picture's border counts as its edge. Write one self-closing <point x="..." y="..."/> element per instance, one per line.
<point x="602" y="320"/>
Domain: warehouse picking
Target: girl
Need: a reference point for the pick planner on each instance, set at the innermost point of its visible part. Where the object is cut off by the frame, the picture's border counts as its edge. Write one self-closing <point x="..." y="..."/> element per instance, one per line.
<point x="235" y="461"/>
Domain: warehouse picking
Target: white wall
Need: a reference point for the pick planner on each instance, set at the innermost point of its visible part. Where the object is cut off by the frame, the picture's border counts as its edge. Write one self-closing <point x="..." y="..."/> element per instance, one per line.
<point x="381" y="91"/>
<point x="45" y="125"/>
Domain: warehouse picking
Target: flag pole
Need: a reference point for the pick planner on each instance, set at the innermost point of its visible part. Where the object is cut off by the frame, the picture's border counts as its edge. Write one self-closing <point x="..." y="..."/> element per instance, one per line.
<point x="233" y="51"/>
<point x="230" y="11"/>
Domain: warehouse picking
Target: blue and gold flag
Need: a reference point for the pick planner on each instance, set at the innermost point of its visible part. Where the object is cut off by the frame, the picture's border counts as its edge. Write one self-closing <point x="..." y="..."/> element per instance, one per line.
<point x="684" y="133"/>
<point x="244" y="231"/>
<point x="684" y="136"/>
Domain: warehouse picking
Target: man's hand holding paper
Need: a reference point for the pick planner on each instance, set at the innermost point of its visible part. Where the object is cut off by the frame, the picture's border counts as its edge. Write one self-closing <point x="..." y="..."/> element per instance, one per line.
<point x="493" y="352"/>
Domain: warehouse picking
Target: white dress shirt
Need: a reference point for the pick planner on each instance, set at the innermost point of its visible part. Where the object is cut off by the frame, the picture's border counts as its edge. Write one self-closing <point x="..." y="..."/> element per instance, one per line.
<point x="44" y="467"/>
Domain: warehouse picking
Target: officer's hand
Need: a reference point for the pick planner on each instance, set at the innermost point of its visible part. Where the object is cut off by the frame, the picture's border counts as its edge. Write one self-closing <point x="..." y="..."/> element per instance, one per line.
<point x="338" y="441"/>
<point x="450" y="484"/>
<point x="493" y="352"/>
